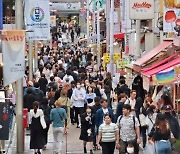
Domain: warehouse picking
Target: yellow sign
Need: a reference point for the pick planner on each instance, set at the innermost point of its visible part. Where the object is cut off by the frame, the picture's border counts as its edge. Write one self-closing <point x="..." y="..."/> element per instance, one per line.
<point x="116" y="56"/>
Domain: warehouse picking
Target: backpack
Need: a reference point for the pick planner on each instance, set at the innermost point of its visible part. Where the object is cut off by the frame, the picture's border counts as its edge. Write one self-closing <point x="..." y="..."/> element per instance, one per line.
<point x="119" y="120"/>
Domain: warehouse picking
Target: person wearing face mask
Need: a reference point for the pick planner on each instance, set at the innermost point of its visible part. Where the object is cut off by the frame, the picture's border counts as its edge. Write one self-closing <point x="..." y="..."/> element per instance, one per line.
<point x="130" y="148"/>
<point x="78" y="99"/>
<point x="87" y="129"/>
<point x="90" y="96"/>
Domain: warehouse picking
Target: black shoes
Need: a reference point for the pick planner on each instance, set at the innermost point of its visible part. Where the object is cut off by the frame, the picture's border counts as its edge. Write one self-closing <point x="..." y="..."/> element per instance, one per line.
<point x="85" y="151"/>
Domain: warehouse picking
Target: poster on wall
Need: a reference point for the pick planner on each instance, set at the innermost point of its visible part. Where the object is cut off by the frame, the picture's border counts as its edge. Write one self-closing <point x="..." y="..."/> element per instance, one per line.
<point x="37" y="19"/>
<point x="13" y="47"/>
<point x="141" y="9"/>
<point x="171" y="16"/>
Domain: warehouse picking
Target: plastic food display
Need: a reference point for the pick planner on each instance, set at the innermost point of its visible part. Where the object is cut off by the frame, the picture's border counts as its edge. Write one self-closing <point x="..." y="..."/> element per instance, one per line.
<point x="169" y="3"/>
<point x="177" y="3"/>
<point x="172" y="3"/>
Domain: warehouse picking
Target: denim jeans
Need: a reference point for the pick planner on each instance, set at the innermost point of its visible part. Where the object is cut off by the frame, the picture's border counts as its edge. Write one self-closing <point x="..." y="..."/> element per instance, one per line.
<point x="163" y="147"/>
<point x="58" y="139"/>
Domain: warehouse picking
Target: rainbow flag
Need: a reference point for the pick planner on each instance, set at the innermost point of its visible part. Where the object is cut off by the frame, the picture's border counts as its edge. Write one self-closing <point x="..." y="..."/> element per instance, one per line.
<point x="166" y="76"/>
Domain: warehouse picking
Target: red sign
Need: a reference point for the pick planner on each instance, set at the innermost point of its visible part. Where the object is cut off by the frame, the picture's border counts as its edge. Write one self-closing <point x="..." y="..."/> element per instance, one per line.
<point x="141" y="5"/>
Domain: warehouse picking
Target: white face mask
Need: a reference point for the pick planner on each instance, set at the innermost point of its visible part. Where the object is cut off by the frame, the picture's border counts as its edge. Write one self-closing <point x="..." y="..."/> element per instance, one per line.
<point x="130" y="150"/>
<point x="78" y="86"/>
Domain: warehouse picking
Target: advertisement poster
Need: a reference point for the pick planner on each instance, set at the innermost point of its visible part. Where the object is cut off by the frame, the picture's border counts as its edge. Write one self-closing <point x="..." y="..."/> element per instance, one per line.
<point x="4" y="121"/>
<point x="171" y="16"/>
<point x="37" y="19"/>
<point x="13" y="47"/>
<point x="141" y="9"/>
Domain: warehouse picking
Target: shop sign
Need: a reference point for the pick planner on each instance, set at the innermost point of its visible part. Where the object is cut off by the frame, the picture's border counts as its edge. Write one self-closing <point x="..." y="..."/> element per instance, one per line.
<point x="121" y="63"/>
<point x="141" y="9"/>
<point x="171" y="16"/>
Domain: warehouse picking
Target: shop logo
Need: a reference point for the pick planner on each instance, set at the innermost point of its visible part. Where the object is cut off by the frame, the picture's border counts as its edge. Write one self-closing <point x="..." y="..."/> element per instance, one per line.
<point x="141" y="5"/>
<point x="37" y="14"/>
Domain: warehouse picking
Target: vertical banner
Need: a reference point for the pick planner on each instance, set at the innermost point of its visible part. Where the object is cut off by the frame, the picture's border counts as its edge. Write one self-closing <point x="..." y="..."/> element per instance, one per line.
<point x="37" y="19"/>
<point x="1" y="14"/>
<point x="171" y="16"/>
<point x="13" y="47"/>
<point x="4" y="121"/>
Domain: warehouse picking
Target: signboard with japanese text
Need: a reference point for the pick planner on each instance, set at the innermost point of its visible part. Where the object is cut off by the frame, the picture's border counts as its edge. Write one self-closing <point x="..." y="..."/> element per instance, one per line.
<point x="171" y="16"/>
<point x="141" y="9"/>
<point x="37" y="19"/>
<point x="13" y="47"/>
<point x="4" y="121"/>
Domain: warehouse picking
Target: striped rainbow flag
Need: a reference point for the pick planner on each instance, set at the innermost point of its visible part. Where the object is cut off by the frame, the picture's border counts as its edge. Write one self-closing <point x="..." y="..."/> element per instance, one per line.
<point x="166" y="76"/>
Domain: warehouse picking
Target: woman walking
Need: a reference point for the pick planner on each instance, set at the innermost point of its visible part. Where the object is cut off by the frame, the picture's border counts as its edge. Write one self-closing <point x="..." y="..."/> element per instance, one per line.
<point x="66" y="104"/>
<point x="108" y="135"/>
<point x="46" y="110"/>
<point x="160" y="135"/>
<point x="37" y="125"/>
<point x="59" y="118"/>
<point x="87" y="129"/>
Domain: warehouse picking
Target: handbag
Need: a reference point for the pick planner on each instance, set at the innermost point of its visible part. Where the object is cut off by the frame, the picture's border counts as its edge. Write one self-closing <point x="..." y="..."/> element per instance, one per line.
<point x="142" y="118"/>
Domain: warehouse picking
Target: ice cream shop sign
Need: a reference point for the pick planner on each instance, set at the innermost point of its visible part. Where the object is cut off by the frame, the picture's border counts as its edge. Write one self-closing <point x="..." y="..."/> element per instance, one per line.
<point x="141" y="9"/>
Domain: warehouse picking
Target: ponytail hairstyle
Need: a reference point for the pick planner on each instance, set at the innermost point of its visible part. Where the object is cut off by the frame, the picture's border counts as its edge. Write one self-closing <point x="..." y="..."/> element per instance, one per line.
<point x="35" y="106"/>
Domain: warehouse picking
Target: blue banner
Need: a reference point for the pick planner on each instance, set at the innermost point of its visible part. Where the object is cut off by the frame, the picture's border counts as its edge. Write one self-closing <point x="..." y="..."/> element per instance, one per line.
<point x="1" y="14"/>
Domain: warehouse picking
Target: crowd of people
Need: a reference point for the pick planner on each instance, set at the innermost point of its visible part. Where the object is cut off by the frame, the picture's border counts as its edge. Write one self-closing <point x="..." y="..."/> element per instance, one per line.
<point x="70" y="89"/>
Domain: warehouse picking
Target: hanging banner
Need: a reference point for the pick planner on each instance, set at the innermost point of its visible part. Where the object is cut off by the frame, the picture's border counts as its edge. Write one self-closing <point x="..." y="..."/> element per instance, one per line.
<point x="171" y="16"/>
<point x="37" y="19"/>
<point x="13" y="47"/>
<point x="141" y="9"/>
<point x="4" y="121"/>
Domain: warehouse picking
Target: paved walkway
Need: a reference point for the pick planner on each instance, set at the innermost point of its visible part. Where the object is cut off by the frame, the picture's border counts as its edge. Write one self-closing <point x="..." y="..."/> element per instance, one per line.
<point x="74" y="145"/>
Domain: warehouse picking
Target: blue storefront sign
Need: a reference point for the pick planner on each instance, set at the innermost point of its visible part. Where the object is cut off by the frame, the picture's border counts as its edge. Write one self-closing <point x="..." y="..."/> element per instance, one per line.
<point x="1" y="14"/>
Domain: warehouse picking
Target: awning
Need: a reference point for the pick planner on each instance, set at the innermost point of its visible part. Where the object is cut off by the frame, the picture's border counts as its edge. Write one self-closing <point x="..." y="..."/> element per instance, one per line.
<point x="172" y="57"/>
<point x="147" y="56"/>
<point x="162" y="67"/>
<point x="119" y="36"/>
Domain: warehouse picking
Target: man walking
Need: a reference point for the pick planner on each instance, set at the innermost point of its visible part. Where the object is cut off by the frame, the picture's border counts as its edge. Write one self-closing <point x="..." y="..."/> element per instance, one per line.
<point x="129" y="131"/>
